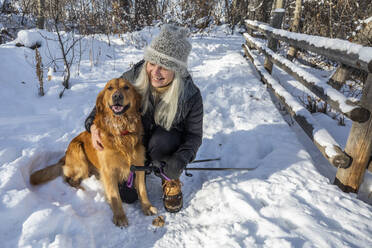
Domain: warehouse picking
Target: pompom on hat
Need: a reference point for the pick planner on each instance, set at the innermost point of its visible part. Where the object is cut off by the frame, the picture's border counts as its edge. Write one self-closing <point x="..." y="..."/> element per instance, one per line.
<point x="170" y="49"/>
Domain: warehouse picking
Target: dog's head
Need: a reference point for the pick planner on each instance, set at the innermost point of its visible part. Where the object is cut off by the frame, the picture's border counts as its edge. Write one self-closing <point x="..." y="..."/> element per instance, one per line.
<point x="118" y="97"/>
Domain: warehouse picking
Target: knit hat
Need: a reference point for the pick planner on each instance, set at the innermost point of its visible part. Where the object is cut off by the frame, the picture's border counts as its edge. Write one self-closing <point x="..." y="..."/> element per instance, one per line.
<point x="170" y="49"/>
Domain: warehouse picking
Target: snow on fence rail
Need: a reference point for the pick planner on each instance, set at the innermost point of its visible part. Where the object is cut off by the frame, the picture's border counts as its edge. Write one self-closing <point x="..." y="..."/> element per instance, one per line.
<point x="343" y="51"/>
<point x="353" y="161"/>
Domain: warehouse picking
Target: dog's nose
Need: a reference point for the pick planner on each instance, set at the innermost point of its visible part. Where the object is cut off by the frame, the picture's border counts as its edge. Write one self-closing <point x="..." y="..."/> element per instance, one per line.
<point x="117" y="97"/>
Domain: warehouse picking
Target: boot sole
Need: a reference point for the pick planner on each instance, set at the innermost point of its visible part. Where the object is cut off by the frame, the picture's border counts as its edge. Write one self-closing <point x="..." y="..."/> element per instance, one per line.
<point x="174" y="210"/>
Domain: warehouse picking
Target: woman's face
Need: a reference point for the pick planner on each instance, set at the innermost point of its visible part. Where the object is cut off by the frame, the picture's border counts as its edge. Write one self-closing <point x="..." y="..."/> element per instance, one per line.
<point x="159" y="76"/>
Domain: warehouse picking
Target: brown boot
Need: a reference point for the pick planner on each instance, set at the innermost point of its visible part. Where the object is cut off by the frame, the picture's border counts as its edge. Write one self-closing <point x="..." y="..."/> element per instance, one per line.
<point x="172" y="195"/>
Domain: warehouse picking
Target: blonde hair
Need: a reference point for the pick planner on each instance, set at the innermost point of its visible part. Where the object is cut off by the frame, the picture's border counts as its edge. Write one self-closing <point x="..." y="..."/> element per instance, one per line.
<point x="166" y="108"/>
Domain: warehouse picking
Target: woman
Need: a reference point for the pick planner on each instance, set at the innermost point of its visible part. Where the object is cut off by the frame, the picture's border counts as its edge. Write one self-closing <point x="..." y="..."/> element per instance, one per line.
<point x="172" y="112"/>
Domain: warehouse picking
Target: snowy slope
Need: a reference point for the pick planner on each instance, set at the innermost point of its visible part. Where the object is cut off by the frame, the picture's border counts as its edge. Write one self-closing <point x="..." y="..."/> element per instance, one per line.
<point x="285" y="202"/>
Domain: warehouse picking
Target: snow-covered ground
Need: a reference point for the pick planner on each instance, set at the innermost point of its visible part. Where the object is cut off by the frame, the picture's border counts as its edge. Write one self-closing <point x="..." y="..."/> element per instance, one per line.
<point x="287" y="201"/>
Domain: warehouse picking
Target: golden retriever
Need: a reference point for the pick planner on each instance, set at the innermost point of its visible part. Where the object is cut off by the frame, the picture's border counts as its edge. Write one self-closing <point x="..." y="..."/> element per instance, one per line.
<point x="119" y="120"/>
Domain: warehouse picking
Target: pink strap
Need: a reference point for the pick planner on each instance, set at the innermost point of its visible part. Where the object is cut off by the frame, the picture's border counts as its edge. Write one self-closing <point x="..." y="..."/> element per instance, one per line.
<point x="164" y="176"/>
<point x="130" y="180"/>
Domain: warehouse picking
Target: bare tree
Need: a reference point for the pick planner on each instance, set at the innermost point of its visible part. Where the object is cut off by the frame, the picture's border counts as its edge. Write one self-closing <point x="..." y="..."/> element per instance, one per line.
<point x="66" y="42"/>
<point x="144" y="12"/>
<point x="5" y="6"/>
<point x="337" y="18"/>
<point x="162" y="7"/>
<point x="196" y="13"/>
<point x="122" y="20"/>
<point x="238" y="11"/>
<point x="26" y="8"/>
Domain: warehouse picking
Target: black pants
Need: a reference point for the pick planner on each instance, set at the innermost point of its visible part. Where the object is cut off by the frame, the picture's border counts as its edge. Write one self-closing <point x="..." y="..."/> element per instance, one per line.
<point x="162" y="143"/>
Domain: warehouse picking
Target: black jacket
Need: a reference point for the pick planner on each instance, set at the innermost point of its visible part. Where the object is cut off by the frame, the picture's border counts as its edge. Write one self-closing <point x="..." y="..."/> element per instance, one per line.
<point x="188" y="120"/>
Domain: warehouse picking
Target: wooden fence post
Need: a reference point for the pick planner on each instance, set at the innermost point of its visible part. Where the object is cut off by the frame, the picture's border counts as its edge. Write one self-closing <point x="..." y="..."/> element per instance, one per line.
<point x="276" y="21"/>
<point x="358" y="146"/>
<point x="340" y="76"/>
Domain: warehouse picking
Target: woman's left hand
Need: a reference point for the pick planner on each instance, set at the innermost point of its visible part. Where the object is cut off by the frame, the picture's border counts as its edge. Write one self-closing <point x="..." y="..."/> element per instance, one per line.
<point x="173" y="167"/>
<point x="170" y="166"/>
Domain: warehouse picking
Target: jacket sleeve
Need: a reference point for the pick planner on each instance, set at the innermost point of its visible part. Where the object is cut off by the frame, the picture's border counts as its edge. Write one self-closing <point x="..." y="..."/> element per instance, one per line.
<point x="89" y="120"/>
<point x="193" y="133"/>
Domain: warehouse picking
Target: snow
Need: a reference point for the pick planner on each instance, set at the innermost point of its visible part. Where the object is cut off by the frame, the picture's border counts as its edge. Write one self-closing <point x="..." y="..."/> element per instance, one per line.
<point x="362" y="52"/>
<point x="369" y="19"/>
<point x="286" y="202"/>
<point x="29" y="38"/>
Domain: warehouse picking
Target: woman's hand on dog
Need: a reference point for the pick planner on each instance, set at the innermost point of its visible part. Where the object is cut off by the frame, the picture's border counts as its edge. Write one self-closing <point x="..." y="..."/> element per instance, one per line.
<point x="96" y="138"/>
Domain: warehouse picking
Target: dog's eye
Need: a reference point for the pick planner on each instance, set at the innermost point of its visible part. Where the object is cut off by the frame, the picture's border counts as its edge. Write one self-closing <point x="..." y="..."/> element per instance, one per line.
<point x="110" y="88"/>
<point x="126" y="87"/>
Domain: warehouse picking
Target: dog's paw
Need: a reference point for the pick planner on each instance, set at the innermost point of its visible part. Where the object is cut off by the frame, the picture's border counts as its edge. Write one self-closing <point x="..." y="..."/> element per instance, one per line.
<point x="149" y="210"/>
<point x="120" y="220"/>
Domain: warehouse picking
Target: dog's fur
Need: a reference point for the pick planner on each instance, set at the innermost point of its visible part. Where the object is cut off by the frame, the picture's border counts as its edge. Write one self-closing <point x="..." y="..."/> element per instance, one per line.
<point x="121" y="134"/>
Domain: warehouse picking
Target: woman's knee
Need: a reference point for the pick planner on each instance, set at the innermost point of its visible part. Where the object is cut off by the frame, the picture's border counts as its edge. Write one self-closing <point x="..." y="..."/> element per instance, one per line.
<point x="163" y="143"/>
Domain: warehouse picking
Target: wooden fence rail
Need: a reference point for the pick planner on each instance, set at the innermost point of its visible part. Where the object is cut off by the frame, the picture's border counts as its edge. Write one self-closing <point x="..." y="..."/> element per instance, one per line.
<point x="330" y="149"/>
<point x="353" y="161"/>
<point x="325" y="92"/>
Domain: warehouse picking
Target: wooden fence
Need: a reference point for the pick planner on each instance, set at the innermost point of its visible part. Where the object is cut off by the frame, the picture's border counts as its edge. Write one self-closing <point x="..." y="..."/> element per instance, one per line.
<point x="353" y="160"/>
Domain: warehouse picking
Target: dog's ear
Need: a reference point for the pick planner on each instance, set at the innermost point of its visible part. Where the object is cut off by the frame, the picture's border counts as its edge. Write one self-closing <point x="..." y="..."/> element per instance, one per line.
<point x="99" y="102"/>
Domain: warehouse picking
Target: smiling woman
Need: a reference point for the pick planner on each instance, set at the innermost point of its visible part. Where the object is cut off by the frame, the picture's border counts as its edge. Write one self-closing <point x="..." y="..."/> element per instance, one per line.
<point x="158" y="75"/>
<point x="171" y="109"/>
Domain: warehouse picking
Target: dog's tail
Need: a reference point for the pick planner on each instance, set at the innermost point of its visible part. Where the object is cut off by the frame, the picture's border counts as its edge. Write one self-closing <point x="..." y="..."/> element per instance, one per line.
<point x="47" y="174"/>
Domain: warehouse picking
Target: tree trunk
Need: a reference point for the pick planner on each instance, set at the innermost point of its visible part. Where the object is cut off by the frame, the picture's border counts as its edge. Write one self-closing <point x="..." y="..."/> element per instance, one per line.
<point x="3" y="7"/>
<point x="40" y="14"/>
<point x="295" y="27"/>
<point x="66" y="76"/>
<point x="358" y="146"/>
<point x="330" y="19"/>
<point x="228" y="11"/>
<point x="235" y="13"/>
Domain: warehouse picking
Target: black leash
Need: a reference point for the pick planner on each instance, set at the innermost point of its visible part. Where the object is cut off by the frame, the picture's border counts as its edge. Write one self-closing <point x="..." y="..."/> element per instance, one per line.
<point x="150" y="169"/>
<point x="213" y="169"/>
<point x="217" y="169"/>
<point x="205" y="160"/>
